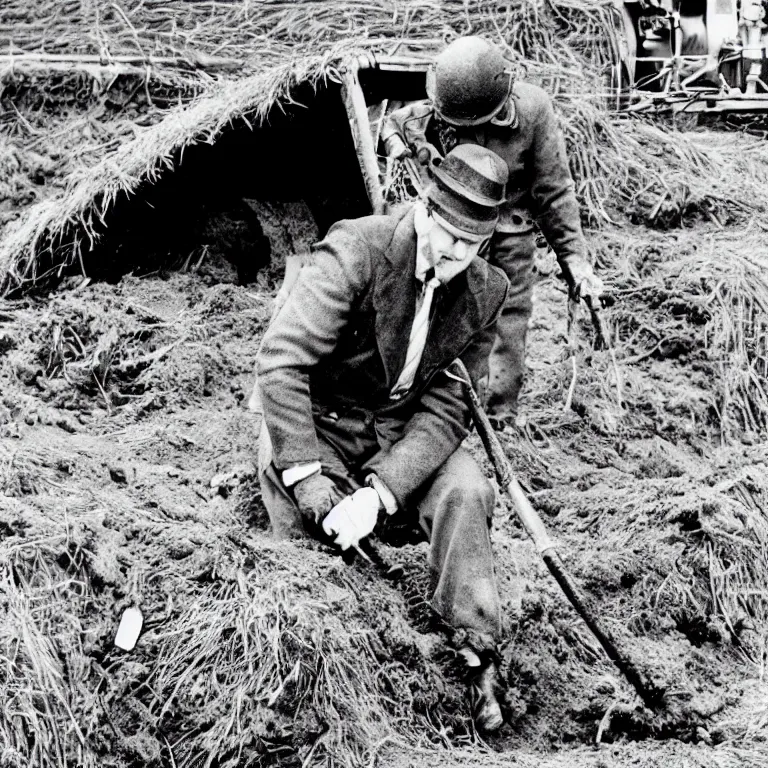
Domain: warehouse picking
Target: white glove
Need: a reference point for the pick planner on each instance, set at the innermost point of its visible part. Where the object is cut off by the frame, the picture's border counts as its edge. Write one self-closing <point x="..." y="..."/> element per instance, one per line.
<point x="353" y="518"/>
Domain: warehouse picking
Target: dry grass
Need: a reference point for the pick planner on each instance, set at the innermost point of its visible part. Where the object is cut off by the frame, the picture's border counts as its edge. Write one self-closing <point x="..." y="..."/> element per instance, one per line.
<point x="253" y="650"/>
<point x="689" y="334"/>
<point x="25" y="469"/>
<point x="700" y="298"/>
<point x="291" y="656"/>
<point x="270" y="30"/>
<point x="256" y="653"/>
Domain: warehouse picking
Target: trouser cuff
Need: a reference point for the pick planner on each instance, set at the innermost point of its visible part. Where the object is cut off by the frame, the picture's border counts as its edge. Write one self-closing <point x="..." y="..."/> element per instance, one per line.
<point x="482" y="643"/>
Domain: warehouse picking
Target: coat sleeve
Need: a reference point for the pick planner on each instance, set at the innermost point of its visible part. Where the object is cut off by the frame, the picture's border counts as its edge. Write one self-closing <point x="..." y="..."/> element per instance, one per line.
<point x="409" y="123"/>
<point x="305" y="331"/>
<point x="554" y="201"/>
<point x="436" y="429"/>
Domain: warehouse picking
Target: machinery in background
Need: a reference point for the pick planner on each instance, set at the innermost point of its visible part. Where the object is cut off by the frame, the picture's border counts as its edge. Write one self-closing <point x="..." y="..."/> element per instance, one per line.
<point x="691" y="55"/>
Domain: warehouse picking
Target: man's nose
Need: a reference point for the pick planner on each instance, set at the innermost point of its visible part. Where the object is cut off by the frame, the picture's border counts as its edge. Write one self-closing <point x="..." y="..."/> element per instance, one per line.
<point x="458" y="249"/>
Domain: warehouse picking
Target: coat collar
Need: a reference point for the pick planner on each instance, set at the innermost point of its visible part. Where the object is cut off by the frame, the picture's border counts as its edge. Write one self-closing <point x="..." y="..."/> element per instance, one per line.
<point x="394" y="297"/>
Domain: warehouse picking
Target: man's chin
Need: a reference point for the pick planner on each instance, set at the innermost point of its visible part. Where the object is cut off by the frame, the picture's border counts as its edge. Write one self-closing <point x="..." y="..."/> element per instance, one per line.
<point x="448" y="269"/>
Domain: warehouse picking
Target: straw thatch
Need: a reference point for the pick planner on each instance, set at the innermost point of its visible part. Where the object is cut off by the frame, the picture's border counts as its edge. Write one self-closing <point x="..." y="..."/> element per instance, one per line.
<point x="277" y="45"/>
<point x="92" y="191"/>
<point x="266" y="31"/>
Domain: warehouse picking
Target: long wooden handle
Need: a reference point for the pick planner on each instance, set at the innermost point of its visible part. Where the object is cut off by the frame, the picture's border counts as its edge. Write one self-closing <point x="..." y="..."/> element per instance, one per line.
<point x="527" y="514"/>
<point x="650" y="693"/>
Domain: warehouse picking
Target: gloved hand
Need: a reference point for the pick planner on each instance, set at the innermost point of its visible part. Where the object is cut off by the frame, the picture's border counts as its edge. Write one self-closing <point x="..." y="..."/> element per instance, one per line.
<point x="396" y="148"/>
<point x="427" y="152"/>
<point x="353" y="518"/>
<point x="590" y="291"/>
<point x="315" y="496"/>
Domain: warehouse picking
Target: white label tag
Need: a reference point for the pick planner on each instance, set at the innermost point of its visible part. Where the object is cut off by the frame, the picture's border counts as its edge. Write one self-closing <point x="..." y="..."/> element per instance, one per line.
<point x="130" y="627"/>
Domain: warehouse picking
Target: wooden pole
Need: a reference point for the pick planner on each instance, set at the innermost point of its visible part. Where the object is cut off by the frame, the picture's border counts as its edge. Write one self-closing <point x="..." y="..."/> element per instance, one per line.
<point x="650" y="693"/>
<point x="63" y="60"/>
<point x="357" y="112"/>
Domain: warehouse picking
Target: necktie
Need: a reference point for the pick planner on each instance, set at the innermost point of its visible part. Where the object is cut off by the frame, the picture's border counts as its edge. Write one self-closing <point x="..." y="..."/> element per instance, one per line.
<point x="417" y="339"/>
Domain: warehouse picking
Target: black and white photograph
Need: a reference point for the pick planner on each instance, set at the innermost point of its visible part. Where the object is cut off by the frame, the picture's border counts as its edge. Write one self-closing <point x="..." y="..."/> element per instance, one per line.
<point x="383" y="384"/>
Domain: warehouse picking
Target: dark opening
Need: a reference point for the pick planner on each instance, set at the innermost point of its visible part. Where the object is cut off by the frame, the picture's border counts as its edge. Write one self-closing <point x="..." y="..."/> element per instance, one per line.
<point x="403" y="85"/>
<point x="227" y="200"/>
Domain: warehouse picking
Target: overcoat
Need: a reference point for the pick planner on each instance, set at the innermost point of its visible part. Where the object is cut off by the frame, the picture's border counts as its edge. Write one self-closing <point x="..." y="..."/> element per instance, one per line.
<point x="338" y="345"/>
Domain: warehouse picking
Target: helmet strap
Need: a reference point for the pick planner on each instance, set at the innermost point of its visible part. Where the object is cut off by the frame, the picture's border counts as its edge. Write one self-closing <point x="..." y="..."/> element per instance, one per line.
<point x="507" y="117"/>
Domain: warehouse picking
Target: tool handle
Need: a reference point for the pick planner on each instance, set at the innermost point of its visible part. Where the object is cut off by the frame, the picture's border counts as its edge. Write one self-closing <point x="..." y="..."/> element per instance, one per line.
<point x="391" y="571"/>
<point x="651" y="694"/>
<point x="529" y="518"/>
<point x="506" y="479"/>
<point x="412" y="168"/>
<point x="601" y="337"/>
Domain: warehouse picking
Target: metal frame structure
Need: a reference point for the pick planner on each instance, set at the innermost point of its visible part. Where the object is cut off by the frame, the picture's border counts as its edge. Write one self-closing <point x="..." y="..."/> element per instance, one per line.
<point x="735" y="61"/>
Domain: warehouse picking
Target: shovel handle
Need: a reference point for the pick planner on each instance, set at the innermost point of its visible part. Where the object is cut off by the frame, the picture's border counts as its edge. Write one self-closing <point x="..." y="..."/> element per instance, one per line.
<point x="650" y="693"/>
<point x="506" y="479"/>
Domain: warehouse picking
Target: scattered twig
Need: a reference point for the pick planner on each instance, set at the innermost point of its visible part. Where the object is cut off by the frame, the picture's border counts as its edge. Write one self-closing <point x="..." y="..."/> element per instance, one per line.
<point x="572" y="385"/>
<point x="605" y="722"/>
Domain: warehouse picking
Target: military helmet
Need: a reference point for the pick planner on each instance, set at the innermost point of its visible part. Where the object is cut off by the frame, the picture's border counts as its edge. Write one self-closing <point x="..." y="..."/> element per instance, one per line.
<point x="467" y="188"/>
<point x="470" y="82"/>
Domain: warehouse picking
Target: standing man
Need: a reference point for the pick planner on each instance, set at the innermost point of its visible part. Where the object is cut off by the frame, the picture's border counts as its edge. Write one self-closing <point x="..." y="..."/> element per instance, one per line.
<point x="473" y="99"/>
<point x="364" y="420"/>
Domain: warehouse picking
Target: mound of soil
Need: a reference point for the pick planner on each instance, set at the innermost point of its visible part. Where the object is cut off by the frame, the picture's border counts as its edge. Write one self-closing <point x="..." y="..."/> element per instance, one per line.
<point x="127" y="479"/>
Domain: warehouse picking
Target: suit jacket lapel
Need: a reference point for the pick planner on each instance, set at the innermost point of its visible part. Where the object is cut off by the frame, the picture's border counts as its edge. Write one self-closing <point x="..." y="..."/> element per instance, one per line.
<point x="457" y="317"/>
<point x="394" y="298"/>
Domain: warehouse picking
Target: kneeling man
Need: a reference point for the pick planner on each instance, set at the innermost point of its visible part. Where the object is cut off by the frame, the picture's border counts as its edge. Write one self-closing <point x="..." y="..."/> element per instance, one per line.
<point x="364" y="418"/>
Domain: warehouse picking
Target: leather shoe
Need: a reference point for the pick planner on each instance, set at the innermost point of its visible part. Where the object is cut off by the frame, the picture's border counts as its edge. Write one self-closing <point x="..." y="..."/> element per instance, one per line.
<point x="486" y="709"/>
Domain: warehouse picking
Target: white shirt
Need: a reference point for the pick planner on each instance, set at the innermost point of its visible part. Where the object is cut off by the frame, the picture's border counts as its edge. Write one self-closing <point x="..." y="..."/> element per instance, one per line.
<point x="420" y="328"/>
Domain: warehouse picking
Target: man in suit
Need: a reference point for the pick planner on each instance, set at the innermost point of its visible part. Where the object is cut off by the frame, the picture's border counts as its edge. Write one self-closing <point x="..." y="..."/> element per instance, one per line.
<point x="364" y="418"/>
<point x="474" y="99"/>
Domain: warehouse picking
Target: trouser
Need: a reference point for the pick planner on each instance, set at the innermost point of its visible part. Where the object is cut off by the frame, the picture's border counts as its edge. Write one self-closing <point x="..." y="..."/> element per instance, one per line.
<point x="453" y="511"/>
<point x="514" y="254"/>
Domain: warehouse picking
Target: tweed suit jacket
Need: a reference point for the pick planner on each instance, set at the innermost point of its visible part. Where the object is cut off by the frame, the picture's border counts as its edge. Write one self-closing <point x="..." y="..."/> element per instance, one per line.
<point x="340" y="340"/>
<point x="540" y="183"/>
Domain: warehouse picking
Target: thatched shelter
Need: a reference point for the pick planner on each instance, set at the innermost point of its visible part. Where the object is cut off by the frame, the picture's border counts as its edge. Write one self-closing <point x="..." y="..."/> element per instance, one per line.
<point x="194" y="80"/>
<point x="279" y="136"/>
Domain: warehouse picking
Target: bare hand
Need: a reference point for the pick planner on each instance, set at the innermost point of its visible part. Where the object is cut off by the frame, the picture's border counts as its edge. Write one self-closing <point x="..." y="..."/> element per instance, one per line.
<point x="590" y="291"/>
<point x="396" y="148"/>
<point x="315" y="496"/>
